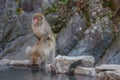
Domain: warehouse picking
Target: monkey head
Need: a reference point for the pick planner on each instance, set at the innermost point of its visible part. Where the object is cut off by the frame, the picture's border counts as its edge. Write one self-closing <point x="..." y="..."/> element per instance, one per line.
<point x="37" y="19"/>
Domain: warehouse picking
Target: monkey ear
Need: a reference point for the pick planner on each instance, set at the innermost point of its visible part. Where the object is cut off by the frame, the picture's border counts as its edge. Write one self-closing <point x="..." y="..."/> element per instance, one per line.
<point x="42" y="17"/>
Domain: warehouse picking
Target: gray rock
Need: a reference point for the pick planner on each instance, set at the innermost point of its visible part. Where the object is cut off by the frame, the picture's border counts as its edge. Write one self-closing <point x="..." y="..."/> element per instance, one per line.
<point x="107" y="72"/>
<point x="65" y="64"/>
<point x="16" y="49"/>
<point x="83" y="77"/>
<point x="46" y="4"/>
<point x="108" y="75"/>
<point x="99" y="36"/>
<point x="69" y="36"/>
<point x="84" y="71"/>
<point x="30" y="6"/>
<point x="112" y="55"/>
<point x="107" y="67"/>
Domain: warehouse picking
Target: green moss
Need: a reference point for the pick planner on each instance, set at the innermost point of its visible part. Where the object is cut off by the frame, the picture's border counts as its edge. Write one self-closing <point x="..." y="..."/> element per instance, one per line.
<point x="53" y="9"/>
<point x="61" y="7"/>
<point x="55" y="35"/>
<point x="17" y="1"/>
<point x="101" y="16"/>
<point x="86" y="14"/>
<point x="110" y="4"/>
<point x="18" y="9"/>
<point x="55" y="6"/>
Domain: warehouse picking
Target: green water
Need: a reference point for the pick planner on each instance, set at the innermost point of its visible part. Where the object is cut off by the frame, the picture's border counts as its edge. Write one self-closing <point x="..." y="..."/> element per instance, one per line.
<point x="27" y="74"/>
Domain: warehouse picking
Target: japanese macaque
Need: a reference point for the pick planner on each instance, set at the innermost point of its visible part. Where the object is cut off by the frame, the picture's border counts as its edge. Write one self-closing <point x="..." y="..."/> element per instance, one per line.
<point x="39" y="53"/>
<point x="40" y="28"/>
<point x="44" y="49"/>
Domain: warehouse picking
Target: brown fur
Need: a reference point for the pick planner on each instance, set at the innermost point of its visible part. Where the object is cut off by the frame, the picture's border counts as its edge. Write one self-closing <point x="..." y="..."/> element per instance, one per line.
<point x="38" y="53"/>
<point x="42" y="29"/>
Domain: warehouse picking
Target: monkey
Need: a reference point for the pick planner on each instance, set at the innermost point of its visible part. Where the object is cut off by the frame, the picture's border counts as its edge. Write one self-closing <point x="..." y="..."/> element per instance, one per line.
<point x="42" y="28"/>
<point x="39" y="53"/>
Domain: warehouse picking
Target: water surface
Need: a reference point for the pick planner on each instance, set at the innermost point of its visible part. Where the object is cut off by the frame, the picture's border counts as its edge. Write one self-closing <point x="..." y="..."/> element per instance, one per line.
<point x="27" y="74"/>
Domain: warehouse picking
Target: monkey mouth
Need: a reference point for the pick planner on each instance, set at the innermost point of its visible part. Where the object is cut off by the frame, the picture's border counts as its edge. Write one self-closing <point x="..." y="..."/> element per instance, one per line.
<point x="35" y="20"/>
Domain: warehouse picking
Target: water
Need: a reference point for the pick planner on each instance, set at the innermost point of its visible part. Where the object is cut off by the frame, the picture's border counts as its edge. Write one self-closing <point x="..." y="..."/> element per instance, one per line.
<point x="26" y="74"/>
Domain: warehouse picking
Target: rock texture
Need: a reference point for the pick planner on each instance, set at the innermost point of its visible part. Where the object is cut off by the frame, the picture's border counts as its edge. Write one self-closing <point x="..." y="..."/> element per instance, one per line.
<point x="71" y="34"/>
<point x="99" y="36"/>
<point x="112" y="54"/>
<point x="84" y="71"/>
<point x="65" y="64"/>
<point x="108" y="67"/>
<point x="108" y="72"/>
<point x="108" y="75"/>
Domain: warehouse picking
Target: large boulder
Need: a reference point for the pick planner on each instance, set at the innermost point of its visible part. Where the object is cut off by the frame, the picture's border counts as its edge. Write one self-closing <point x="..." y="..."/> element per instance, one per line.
<point x="70" y="35"/>
<point x="65" y="64"/>
<point x="99" y="36"/>
<point x="112" y="55"/>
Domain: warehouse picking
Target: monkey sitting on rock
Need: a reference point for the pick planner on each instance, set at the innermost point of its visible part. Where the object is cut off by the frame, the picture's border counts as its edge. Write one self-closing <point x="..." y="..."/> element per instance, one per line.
<point x="43" y="51"/>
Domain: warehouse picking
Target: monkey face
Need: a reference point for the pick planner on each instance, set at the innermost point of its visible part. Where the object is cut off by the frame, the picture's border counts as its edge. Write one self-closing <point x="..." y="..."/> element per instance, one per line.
<point x="37" y="19"/>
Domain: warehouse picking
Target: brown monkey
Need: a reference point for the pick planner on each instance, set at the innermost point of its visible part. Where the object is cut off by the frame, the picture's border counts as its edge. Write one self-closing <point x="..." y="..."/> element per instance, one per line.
<point x="41" y="28"/>
<point x="39" y="53"/>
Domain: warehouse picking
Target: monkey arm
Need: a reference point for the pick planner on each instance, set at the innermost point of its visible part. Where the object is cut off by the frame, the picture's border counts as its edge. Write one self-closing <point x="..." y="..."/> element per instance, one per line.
<point x="37" y="37"/>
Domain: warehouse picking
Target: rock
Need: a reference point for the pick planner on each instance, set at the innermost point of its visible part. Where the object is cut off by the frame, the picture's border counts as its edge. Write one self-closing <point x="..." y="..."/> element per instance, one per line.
<point x="30" y="6"/>
<point x="70" y="35"/>
<point x="99" y="36"/>
<point x="108" y="75"/>
<point x="14" y="63"/>
<point x="53" y="18"/>
<point x="61" y="64"/>
<point x="19" y="63"/>
<point x="107" y="67"/>
<point x="16" y="49"/>
<point x="84" y="71"/>
<point x="112" y="55"/>
<point x="65" y="64"/>
<point x="4" y="62"/>
<point x="83" y="77"/>
<point x="46" y="4"/>
<point x="26" y="5"/>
